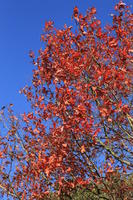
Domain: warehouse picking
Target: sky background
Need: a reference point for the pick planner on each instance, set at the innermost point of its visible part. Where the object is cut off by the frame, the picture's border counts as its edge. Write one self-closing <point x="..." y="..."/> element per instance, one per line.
<point x="21" y="24"/>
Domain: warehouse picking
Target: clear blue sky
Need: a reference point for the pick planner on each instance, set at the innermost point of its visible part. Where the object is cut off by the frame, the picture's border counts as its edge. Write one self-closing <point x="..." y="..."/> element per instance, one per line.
<point x="21" y="24"/>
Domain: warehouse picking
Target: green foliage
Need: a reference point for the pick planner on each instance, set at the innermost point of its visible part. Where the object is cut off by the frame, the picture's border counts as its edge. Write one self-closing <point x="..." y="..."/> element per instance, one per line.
<point x="118" y="188"/>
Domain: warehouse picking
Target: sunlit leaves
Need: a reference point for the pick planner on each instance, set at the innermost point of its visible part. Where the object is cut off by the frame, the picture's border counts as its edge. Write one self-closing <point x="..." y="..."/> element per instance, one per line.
<point x="78" y="132"/>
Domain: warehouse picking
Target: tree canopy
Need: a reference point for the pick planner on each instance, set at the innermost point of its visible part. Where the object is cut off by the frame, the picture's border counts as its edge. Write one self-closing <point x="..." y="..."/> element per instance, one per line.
<point x="76" y="142"/>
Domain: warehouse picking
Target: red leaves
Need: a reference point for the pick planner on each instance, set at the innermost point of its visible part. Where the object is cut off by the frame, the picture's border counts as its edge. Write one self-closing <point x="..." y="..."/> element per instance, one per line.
<point x="110" y="170"/>
<point x="80" y="110"/>
<point x="30" y="115"/>
<point x="96" y="132"/>
<point x="104" y="112"/>
<point x="1" y="154"/>
<point x="93" y="10"/>
<point x="47" y="171"/>
<point x="99" y="33"/>
<point x="113" y="42"/>
<point x="120" y="5"/>
<point x="64" y="145"/>
<point x="25" y="118"/>
<point x="80" y="181"/>
<point x="76" y="12"/>
<point x="83" y="149"/>
<point x="48" y="26"/>
<point x="95" y="135"/>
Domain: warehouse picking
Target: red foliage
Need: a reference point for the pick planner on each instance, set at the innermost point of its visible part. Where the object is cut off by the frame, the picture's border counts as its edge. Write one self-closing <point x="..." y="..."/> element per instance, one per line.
<point x="81" y="109"/>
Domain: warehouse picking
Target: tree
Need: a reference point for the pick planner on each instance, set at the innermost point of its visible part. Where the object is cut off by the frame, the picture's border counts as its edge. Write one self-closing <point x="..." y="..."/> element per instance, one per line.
<point x="78" y="135"/>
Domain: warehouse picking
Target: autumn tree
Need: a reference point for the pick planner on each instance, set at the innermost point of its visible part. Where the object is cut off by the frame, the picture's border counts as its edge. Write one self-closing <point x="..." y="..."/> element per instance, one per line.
<point x="78" y="135"/>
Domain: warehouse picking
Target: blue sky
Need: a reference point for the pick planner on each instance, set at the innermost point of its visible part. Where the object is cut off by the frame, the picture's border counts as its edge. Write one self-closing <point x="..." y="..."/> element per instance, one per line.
<point x="21" y="24"/>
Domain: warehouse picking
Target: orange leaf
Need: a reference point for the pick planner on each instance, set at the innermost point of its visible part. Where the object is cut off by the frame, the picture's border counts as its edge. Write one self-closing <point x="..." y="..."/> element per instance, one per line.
<point x="47" y="171"/>
<point x="64" y="145"/>
<point x="82" y="149"/>
<point x="1" y="155"/>
<point x="93" y="10"/>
